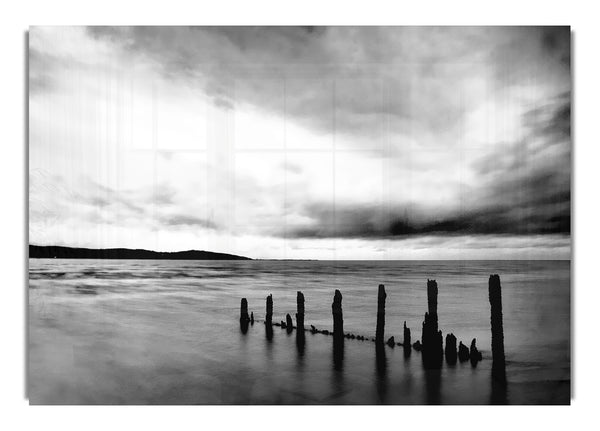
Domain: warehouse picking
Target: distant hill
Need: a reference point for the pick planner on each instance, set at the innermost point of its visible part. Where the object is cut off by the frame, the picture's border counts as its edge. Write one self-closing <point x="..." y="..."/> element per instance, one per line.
<point x="45" y="252"/>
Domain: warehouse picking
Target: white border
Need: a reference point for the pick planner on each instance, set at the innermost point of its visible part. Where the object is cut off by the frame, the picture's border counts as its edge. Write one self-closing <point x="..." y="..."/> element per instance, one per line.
<point x="17" y="16"/>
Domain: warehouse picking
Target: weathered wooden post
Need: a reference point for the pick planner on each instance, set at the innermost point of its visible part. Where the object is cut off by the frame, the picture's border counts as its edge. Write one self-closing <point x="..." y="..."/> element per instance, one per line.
<point x="300" y="323"/>
<point x="406" y="344"/>
<point x="450" y="349"/>
<point x="391" y="341"/>
<point x="406" y="341"/>
<point x="338" y="353"/>
<point x="380" y="360"/>
<point x="338" y="319"/>
<point x="244" y="310"/>
<point x="338" y="331"/>
<point x="289" y="324"/>
<point x="474" y="354"/>
<point x="252" y="318"/>
<point x="380" y="329"/>
<point x="300" y="313"/>
<point x="463" y="352"/>
<point x="269" y="318"/>
<point x="269" y="314"/>
<point x="432" y="293"/>
<point x="498" y="358"/>
<point x="432" y="338"/>
<point x="244" y="318"/>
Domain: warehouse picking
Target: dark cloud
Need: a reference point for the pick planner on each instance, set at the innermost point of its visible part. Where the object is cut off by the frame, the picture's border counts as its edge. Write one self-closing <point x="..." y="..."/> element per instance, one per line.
<point x="42" y="70"/>
<point x="557" y="42"/>
<point x="524" y="190"/>
<point x="162" y="194"/>
<point x="367" y="222"/>
<point x="154" y="206"/>
<point x="532" y="180"/>
<point x="52" y="200"/>
<point x="186" y="220"/>
<point x="552" y="119"/>
<point x="101" y="196"/>
<point x="223" y="103"/>
<point x="98" y="201"/>
<point x="47" y="64"/>
<point x="354" y="80"/>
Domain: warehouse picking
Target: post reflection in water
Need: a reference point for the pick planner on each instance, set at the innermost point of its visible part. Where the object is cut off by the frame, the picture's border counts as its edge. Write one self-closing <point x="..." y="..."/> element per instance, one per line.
<point x="381" y="371"/>
<point x="407" y="351"/>
<point x="338" y="354"/>
<point x="407" y="381"/>
<point x="433" y="385"/>
<point x="499" y="392"/>
<point x="300" y="382"/>
<point x="244" y="325"/>
<point x="300" y="343"/>
<point x="338" y="371"/>
<point x="269" y="332"/>
<point x="380" y="360"/>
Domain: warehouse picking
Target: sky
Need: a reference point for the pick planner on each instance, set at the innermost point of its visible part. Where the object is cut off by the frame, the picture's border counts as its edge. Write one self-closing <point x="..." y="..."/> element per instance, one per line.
<point x="303" y="142"/>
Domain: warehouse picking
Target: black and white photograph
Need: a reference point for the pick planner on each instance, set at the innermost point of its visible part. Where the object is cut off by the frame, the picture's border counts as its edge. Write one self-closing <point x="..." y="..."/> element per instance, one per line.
<point x="299" y="215"/>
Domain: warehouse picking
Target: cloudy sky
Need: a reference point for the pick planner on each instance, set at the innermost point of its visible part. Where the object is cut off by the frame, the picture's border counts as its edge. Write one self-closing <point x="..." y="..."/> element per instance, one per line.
<point x="320" y="143"/>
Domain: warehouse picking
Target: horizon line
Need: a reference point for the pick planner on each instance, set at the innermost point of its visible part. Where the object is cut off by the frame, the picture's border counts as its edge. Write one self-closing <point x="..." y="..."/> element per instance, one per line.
<point x="287" y="259"/>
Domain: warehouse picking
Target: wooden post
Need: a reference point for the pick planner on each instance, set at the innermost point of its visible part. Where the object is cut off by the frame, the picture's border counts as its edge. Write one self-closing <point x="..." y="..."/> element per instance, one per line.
<point x="244" y="318"/>
<point x="432" y="293"/>
<point x="498" y="358"/>
<point x="338" y="319"/>
<point x="450" y="349"/>
<point x="338" y="331"/>
<point x="474" y="354"/>
<point x="269" y="315"/>
<point x="406" y="342"/>
<point x="300" y="312"/>
<point x="432" y="338"/>
<point x="300" y="323"/>
<point x="244" y="311"/>
<point x="463" y="352"/>
<point x="289" y="325"/>
<point x="379" y="332"/>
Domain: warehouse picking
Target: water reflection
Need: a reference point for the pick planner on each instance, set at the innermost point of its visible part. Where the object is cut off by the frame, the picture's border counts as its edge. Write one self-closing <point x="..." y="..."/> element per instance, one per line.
<point x="380" y="360"/>
<point x="269" y="331"/>
<point x="300" y="343"/>
<point x="433" y="385"/>
<point x="499" y="392"/>
<point x="338" y="354"/>
<point x="338" y="385"/>
<point x="244" y="323"/>
<point x="407" y="380"/>
<point x="381" y="371"/>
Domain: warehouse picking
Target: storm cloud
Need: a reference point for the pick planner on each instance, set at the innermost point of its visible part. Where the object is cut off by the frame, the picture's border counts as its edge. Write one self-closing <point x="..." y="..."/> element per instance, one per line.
<point x="524" y="191"/>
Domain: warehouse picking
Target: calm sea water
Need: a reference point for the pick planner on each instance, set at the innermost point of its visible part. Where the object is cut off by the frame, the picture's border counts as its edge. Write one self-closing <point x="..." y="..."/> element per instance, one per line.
<point x="167" y="332"/>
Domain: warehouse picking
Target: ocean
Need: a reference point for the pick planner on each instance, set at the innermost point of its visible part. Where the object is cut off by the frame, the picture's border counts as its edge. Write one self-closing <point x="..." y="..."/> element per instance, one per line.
<point x="168" y="332"/>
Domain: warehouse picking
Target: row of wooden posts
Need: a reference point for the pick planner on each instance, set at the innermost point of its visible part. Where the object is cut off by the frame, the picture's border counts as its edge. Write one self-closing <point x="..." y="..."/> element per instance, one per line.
<point x="431" y="343"/>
